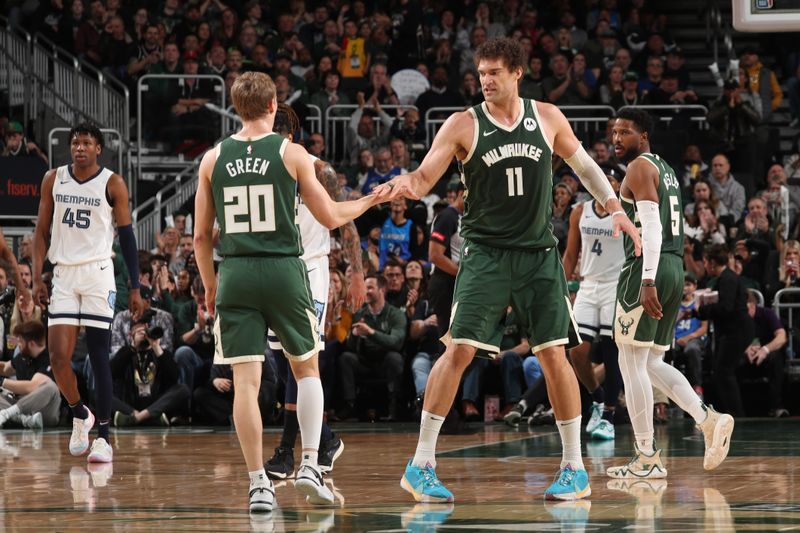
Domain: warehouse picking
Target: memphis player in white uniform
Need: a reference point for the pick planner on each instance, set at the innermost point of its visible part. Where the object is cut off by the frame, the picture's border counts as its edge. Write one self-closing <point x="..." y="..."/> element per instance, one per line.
<point x="79" y="205"/>
<point x="601" y="258"/>
<point x="316" y="240"/>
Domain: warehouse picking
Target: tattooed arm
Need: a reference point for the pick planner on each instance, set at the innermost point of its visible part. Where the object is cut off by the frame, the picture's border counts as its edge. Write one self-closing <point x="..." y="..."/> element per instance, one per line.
<point x="351" y="244"/>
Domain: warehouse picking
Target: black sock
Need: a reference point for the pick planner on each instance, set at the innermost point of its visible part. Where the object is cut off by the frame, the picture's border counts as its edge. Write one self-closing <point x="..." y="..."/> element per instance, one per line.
<point x="98" y="341"/>
<point x="79" y="410"/>
<point x="102" y="430"/>
<point x="608" y="415"/>
<point x="325" y="435"/>
<point x="598" y="395"/>
<point x="290" y="429"/>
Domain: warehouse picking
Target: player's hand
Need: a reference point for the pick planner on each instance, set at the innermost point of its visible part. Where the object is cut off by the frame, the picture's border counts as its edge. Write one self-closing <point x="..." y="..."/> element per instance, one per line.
<point x="400" y="186"/>
<point x="40" y="295"/>
<point x="621" y="222"/>
<point x="357" y="291"/>
<point x="649" y="300"/>
<point x="135" y="304"/>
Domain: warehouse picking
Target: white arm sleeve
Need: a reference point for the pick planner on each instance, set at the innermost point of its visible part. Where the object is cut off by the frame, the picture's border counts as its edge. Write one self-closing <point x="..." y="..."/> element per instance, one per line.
<point x="650" y="218"/>
<point x="591" y="175"/>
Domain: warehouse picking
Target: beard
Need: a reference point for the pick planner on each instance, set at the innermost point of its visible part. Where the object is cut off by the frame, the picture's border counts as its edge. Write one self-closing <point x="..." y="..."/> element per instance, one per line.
<point x="629" y="155"/>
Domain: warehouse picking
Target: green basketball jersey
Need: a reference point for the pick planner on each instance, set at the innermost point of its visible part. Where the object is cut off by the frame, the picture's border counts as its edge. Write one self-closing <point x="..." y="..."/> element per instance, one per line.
<point x="509" y="182"/>
<point x="670" y="207"/>
<point x="255" y="199"/>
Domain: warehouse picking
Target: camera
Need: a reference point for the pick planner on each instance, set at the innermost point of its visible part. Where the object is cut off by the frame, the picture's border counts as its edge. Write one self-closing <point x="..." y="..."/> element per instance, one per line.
<point x="152" y="332"/>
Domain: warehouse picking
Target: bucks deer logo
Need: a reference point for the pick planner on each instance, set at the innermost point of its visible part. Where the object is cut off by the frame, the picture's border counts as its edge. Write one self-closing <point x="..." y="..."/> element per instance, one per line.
<point x="625" y="325"/>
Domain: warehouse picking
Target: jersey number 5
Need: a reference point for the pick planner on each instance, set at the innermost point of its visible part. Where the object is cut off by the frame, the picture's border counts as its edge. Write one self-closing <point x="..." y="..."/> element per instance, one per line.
<point x="674" y="215"/>
<point x="256" y="202"/>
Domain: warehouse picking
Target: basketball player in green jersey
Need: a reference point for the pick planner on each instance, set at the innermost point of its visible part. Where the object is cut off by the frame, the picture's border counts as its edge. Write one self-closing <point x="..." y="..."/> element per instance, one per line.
<point x="509" y="255"/>
<point x="249" y="182"/>
<point x="649" y="295"/>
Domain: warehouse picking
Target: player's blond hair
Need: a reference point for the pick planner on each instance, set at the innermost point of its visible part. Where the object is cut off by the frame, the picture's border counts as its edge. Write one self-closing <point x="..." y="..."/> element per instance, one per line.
<point x="251" y="94"/>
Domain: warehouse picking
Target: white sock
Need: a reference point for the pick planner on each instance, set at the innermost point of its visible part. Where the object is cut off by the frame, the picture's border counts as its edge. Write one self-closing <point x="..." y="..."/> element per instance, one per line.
<point x="310" y="404"/>
<point x="8" y="413"/>
<point x="429" y="428"/>
<point x="570" y="431"/>
<point x="258" y="478"/>
<point x="638" y="393"/>
<point x="675" y="385"/>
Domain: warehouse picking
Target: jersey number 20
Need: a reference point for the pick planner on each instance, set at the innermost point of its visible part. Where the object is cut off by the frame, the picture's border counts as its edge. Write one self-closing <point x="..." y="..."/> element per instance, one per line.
<point x="256" y="202"/>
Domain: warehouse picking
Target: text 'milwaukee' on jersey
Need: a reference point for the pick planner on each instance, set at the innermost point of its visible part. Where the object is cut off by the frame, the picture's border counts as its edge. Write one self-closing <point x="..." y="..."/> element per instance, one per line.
<point x="315" y="237"/>
<point x="509" y="181"/>
<point x="82" y="230"/>
<point x="602" y="255"/>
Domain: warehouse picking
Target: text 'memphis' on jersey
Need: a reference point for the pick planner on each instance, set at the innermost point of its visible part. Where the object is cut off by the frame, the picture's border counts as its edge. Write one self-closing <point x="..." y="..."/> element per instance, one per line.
<point x="509" y="181"/>
<point x="82" y="230"/>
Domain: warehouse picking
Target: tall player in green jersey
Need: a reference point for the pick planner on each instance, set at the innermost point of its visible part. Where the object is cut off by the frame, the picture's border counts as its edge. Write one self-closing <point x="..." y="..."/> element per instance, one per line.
<point x="649" y="295"/>
<point x="249" y="182"/>
<point x="509" y="255"/>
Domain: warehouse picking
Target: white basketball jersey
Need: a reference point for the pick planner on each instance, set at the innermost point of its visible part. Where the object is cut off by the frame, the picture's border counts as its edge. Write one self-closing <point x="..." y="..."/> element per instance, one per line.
<point x="83" y="221"/>
<point x="315" y="237"/>
<point x="602" y="255"/>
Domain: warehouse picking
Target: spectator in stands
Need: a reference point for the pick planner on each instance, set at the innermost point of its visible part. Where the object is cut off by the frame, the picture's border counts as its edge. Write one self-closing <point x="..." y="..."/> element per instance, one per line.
<point x="693" y="169"/>
<point x="531" y="85"/>
<point x="398" y="234"/>
<point x="623" y="58"/>
<point x="194" y="326"/>
<point x="33" y="398"/>
<point x="87" y="38"/>
<point x="756" y="225"/>
<point x="733" y="117"/>
<point x="213" y="401"/>
<point x="424" y="337"/>
<point x="396" y="288"/>
<point x="690" y="336"/>
<point x="359" y="172"/>
<point x="676" y="66"/>
<point x="668" y="92"/>
<point x="401" y="157"/>
<point x="215" y="60"/>
<point x="189" y="119"/>
<point x="654" y="72"/>
<point x="766" y="354"/>
<point x="331" y="94"/>
<point x="68" y="26"/>
<point x="546" y="46"/>
<point x="440" y="94"/>
<point x="117" y="47"/>
<point x="704" y="226"/>
<point x="777" y="172"/>
<point x="151" y="317"/>
<point x="16" y="145"/>
<point x="776" y="196"/>
<point x="567" y="85"/>
<point x="477" y="37"/>
<point x="630" y="94"/>
<point x="373" y="348"/>
<point x="24" y="310"/>
<point x="7" y="302"/>
<point x="562" y="207"/>
<point x="148" y="54"/>
<point x="26" y="248"/>
<point x="729" y="191"/>
<point x="180" y="259"/>
<point x="409" y="127"/>
<point x="315" y="144"/>
<point x="146" y="384"/>
<point x="383" y="171"/>
<point x="703" y="191"/>
<point x="361" y="130"/>
<point x="470" y="88"/>
<point x="612" y="88"/>
<point x="789" y="265"/>
<point x="762" y="81"/>
<point x="564" y="38"/>
<point x="161" y="93"/>
<point x="733" y="327"/>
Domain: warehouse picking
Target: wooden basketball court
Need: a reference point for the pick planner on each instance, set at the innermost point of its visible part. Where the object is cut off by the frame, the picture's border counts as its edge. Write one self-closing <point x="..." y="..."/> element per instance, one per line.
<point x="194" y="480"/>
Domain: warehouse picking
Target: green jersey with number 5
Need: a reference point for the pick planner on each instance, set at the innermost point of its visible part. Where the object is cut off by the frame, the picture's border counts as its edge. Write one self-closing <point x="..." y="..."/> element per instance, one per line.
<point x="670" y="208"/>
<point x="255" y="198"/>
<point x="508" y="178"/>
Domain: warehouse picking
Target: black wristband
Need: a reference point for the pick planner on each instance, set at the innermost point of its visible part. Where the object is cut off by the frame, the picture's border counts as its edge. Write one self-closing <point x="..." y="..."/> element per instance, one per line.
<point x="2" y="379"/>
<point x="648" y="284"/>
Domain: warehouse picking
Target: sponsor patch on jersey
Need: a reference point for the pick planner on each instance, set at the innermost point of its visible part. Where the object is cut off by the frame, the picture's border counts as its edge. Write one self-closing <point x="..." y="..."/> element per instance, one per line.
<point x="529" y="124"/>
<point x="112" y="299"/>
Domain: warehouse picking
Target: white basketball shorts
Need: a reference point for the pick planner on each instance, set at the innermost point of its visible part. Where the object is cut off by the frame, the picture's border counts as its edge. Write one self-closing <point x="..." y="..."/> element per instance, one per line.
<point x="83" y="295"/>
<point x="594" y="308"/>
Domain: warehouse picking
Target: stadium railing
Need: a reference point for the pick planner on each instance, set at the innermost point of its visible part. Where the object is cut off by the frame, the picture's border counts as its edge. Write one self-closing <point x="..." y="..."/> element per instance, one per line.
<point x="337" y="118"/>
<point x="786" y="301"/>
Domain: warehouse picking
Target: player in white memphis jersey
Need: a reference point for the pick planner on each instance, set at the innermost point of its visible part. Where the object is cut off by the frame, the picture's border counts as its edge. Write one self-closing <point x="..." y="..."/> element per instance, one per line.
<point x="316" y="240"/>
<point x="601" y="258"/>
<point x="79" y="205"/>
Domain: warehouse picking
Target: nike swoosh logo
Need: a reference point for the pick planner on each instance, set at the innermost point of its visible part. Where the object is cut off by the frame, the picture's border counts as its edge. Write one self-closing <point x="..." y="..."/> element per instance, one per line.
<point x="312" y="270"/>
<point x="625" y="268"/>
<point x="63" y="182"/>
<point x="103" y="268"/>
<point x="648" y="269"/>
<point x="487" y="133"/>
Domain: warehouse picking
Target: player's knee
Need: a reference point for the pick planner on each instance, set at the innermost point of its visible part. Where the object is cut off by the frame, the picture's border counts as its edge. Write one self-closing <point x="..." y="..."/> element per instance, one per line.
<point x="459" y="357"/>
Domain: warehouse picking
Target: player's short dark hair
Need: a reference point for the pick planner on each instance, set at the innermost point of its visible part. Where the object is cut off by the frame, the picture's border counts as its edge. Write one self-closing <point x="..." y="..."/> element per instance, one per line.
<point x="640" y="118"/>
<point x="32" y="330"/>
<point x="717" y="254"/>
<point x="379" y="278"/>
<point x="90" y="129"/>
<point x="509" y="50"/>
<point x="286" y="121"/>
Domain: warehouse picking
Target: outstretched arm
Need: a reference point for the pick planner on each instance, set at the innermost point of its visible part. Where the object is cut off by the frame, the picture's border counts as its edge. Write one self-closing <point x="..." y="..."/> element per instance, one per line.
<point x="449" y="142"/>
<point x="357" y="290"/>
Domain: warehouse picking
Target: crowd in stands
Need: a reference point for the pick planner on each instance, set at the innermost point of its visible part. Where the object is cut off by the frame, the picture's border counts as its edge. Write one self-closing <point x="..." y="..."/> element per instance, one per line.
<point x="741" y="197"/>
